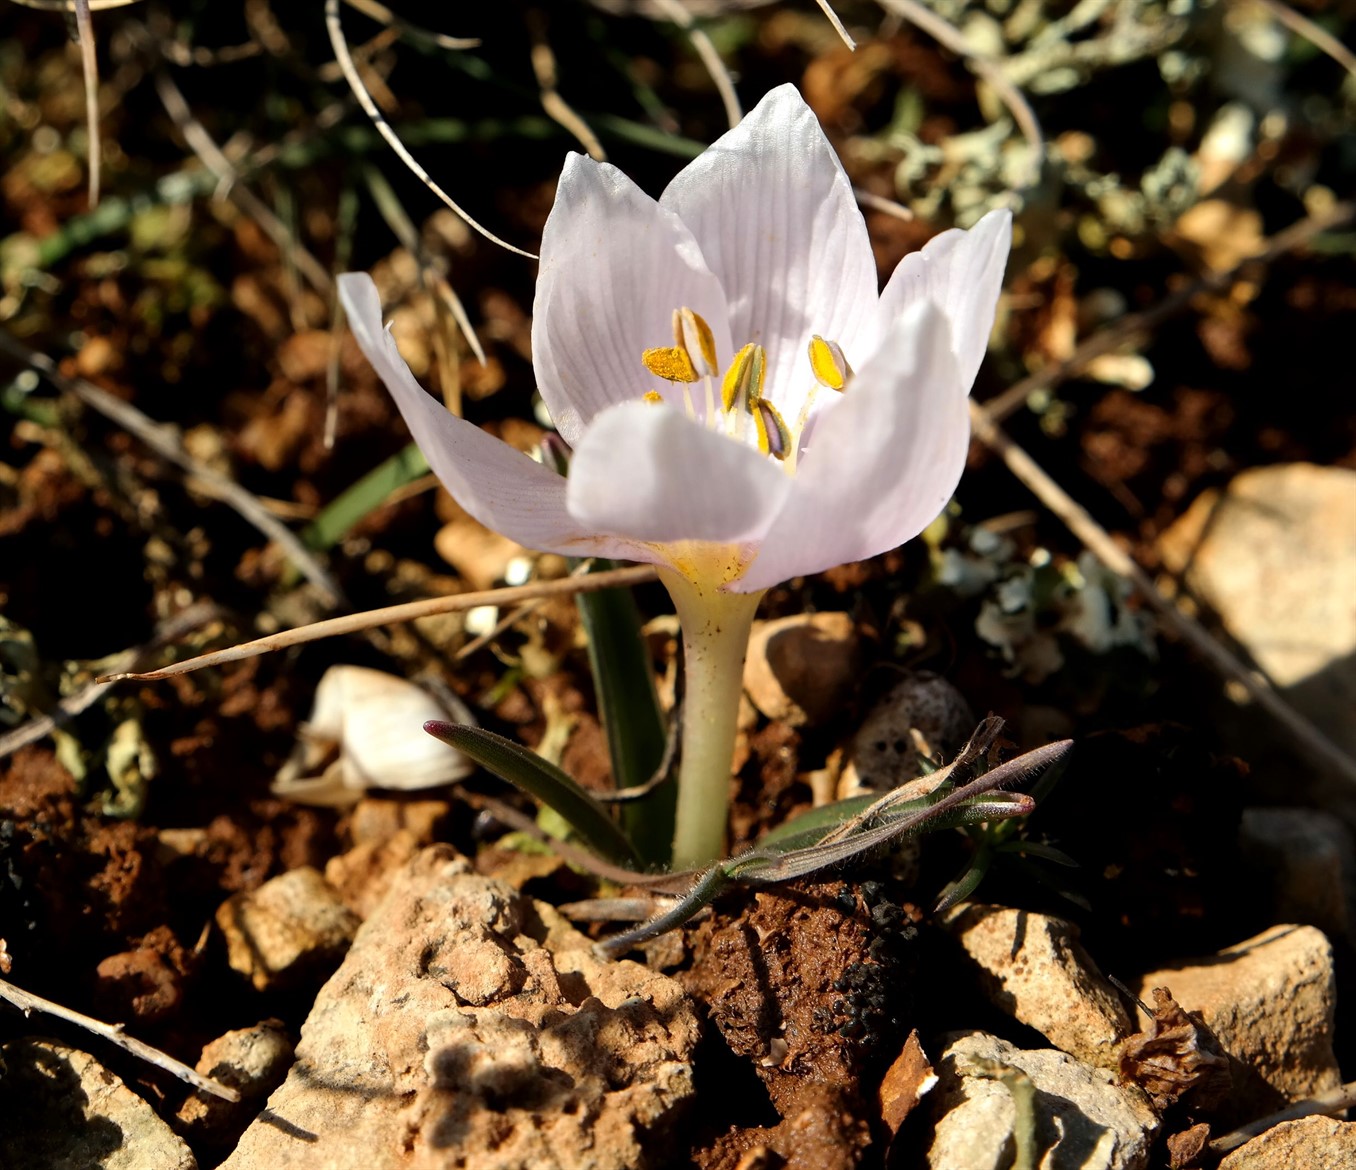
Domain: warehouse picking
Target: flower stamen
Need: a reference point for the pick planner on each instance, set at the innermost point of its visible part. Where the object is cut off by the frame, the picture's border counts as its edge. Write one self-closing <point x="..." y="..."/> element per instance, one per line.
<point x="693" y="336"/>
<point x="828" y="364"/>
<point x="773" y="437"/>
<point x="670" y="362"/>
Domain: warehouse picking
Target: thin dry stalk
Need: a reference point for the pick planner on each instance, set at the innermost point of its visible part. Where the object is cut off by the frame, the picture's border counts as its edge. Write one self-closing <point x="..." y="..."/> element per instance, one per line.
<point x="557" y="108"/>
<point x="880" y="203"/>
<point x="989" y="69"/>
<point x="837" y="24"/>
<point x="1105" y="549"/>
<point x="164" y="442"/>
<point x="1315" y="34"/>
<point x="706" y="51"/>
<point x="391" y="614"/>
<point x="1125" y="329"/>
<point x="195" y="615"/>
<point x="27" y="1002"/>
<point x="1331" y="1103"/>
<point x="355" y="83"/>
<point x="383" y="15"/>
<point x="89" y="65"/>
<point x="229" y="186"/>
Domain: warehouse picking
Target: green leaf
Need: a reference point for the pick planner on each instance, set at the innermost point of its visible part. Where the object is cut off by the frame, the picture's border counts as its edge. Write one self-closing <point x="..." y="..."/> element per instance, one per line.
<point x="527" y="771"/>
<point x="630" y="713"/>
<point x="365" y="496"/>
<point x="966" y="884"/>
<point x="1039" y="849"/>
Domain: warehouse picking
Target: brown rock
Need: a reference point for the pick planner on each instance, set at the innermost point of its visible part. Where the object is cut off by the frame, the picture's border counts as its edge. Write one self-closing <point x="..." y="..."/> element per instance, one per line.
<point x="252" y="1060"/>
<point x="145" y="984"/>
<point x="1311" y="1143"/>
<point x="291" y="929"/>
<point x="364" y="874"/>
<point x="802" y="669"/>
<point x="470" y="1026"/>
<point x="1035" y="970"/>
<point x="906" y="1080"/>
<point x="1270" y="1001"/>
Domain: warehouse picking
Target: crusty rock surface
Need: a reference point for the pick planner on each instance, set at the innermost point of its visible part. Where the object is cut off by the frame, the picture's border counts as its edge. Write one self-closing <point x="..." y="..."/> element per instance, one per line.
<point x="1271" y="1002"/>
<point x="1310" y="1143"/>
<point x="1079" y="1116"/>
<point x="253" y="1061"/>
<point x="60" y="1109"/>
<point x="1034" y="969"/>
<point x="293" y="928"/>
<point x="922" y="714"/>
<point x="472" y="1027"/>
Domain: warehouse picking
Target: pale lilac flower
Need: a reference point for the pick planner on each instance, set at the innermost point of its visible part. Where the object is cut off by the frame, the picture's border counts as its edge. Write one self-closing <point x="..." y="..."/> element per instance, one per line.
<point x="760" y="241"/>
<point x="743" y="406"/>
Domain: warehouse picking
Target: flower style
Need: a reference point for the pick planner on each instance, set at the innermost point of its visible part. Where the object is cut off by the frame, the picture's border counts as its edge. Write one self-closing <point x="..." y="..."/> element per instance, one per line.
<point x="743" y="406"/>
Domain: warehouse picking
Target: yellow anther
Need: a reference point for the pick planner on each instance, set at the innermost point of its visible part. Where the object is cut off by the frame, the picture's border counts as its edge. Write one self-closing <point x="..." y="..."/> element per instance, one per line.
<point x="744" y="379"/>
<point x="670" y="363"/>
<point x="828" y="363"/>
<point x="653" y="396"/>
<point x="693" y="335"/>
<point x="773" y="437"/>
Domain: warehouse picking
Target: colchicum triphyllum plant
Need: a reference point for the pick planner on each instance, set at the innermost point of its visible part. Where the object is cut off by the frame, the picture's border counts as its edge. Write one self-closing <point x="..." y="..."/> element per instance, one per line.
<point x="742" y="405"/>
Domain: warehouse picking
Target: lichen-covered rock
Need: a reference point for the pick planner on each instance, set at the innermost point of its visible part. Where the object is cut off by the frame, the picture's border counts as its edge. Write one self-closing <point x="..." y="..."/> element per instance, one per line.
<point x="60" y="1109"/>
<point x="471" y="1027"/>
<point x="993" y="1097"/>
<point x="1034" y="969"/>
<point x="921" y="715"/>
<point x="1271" y="1002"/>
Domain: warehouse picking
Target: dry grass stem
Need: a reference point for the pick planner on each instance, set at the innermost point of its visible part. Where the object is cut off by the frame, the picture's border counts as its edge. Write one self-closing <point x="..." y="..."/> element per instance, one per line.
<point x="1125" y="329"/>
<point x="89" y="66"/>
<point x="355" y="83"/>
<point x="1332" y="1104"/>
<point x="988" y="69"/>
<point x="706" y="51"/>
<point x="408" y="612"/>
<point x="837" y="24"/>
<point x="880" y="203"/>
<point x="1315" y="34"/>
<point x="165" y="443"/>
<point x="228" y="185"/>
<point x="557" y="108"/>
<point x="27" y="1002"/>
<point x="383" y="15"/>
<point x="1078" y="520"/>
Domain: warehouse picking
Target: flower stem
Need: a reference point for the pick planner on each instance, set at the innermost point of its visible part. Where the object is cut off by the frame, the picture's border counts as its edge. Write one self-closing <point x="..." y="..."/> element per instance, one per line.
<point x="715" y="640"/>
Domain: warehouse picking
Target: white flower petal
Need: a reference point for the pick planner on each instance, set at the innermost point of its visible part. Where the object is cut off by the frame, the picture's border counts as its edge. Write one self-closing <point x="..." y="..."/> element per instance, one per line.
<point x="500" y="487"/>
<point x="614" y="266"/>
<point x="776" y="219"/>
<point x="649" y="473"/>
<point x="884" y="459"/>
<point x="961" y="272"/>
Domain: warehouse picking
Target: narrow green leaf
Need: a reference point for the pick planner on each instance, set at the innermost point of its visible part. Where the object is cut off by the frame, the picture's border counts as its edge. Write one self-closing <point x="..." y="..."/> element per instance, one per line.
<point x="529" y="772"/>
<point x="365" y="496"/>
<point x="966" y="884"/>
<point x="1039" y="849"/>
<point x="629" y="709"/>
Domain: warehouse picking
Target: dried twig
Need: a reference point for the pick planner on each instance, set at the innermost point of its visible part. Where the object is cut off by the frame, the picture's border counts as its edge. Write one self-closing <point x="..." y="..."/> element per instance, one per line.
<point x="701" y="43"/>
<point x="228" y="185"/>
<point x="557" y="108"/>
<point x="189" y="619"/>
<point x="837" y="24"/>
<point x="1115" y="558"/>
<point x="1333" y="1102"/>
<point x="1124" y="329"/>
<point x="880" y="203"/>
<point x="355" y="83"/>
<point x="27" y="1002"/>
<point x="987" y="68"/>
<point x="410" y="611"/>
<point x="89" y="65"/>
<point x="1315" y="34"/>
<point x="165" y="443"/>
<point x="383" y="15"/>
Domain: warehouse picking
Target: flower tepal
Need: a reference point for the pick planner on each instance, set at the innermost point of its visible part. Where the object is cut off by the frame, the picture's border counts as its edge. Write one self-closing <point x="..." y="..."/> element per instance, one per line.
<point x="743" y="404"/>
